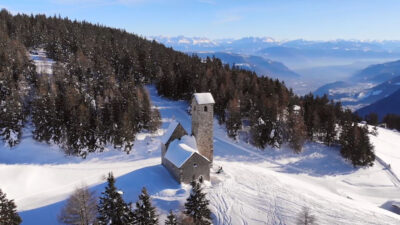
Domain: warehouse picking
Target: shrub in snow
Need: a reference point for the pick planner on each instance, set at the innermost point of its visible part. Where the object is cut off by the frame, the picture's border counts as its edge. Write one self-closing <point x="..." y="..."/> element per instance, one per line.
<point x="305" y="217"/>
<point x="81" y="208"/>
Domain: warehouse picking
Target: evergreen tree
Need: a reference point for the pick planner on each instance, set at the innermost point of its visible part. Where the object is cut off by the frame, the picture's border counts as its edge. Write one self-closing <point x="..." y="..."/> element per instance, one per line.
<point x="145" y="213"/>
<point x="112" y="208"/>
<point x="8" y="211"/>
<point x="392" y="121"/>
<point x="171" y="219"/>
<point x="297" y="131"/>
<point x="196" y="205"/>
<point x="372" y="119"/>
<point x="233" y="121"/>
<point x="356" y="145"/>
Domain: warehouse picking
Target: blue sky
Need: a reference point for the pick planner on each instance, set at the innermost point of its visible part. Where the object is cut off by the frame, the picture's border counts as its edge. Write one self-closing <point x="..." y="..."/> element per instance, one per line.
<point x="280" y="19"/>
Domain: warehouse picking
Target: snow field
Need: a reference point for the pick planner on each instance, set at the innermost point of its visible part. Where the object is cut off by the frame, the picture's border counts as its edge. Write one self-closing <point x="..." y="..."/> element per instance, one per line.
<point x="256" y="187"/>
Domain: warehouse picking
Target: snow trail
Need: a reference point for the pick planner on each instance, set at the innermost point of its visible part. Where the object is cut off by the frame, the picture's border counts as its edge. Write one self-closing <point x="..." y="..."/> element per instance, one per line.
<point x="256" y="187"/>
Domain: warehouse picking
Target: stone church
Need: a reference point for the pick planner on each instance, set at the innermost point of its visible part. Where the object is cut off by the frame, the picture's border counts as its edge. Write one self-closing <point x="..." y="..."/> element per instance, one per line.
<point x="188" y="157"/>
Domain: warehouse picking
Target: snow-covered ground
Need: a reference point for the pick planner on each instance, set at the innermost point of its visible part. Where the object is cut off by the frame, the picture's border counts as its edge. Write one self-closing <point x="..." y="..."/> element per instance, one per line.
<point x="44" y="65"/>
<point x="256" y="187"/>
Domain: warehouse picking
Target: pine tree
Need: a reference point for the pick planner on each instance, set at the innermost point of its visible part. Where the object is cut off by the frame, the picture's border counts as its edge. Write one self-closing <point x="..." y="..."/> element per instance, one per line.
<point x="8" y="211"/>
<point x="145" y="213"/>
<point x="112" y="208"/>
<point x="372" y="119"/>
<point x="356" y="145"/>
<point x="196" y="205"/>
<point x="233" y="121"/>
<point x="171" y="219"/>
<point x="81" y="208"/>
<point x="297" y="131"/>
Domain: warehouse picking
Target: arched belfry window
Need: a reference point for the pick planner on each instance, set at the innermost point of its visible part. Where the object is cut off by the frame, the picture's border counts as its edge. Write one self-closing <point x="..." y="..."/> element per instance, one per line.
<point x="205" y="108"/>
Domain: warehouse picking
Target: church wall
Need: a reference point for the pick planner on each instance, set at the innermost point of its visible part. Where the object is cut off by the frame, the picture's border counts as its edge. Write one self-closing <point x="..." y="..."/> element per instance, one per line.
<point x="174" y="171"/>
<point x="195" y="166"/>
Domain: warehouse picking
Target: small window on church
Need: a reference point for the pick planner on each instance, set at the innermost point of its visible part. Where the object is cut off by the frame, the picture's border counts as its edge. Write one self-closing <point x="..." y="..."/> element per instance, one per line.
<point x="195" y="165"/>
<point x="194" y="108"/>
<point x="205" y="108"/>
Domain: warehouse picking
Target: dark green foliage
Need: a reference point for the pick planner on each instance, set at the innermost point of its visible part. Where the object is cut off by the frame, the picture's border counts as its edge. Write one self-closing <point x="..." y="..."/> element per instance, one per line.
<point x="233" y="122"/>
<point x="95" y="95"/>
<point x="16" y="77"/>
<point x="8" y="211"/>
<point x="320" y="118"/>
<point x="372" y="119"/>
<point x="392" y="121"/>
<point x="145" y="213"/>
<point x="296" y="131"/>
<point x="171" y="219"/>
<point x="356" y="146"/>
<point x="112" y="209"/>
<point x="196" y="206"/>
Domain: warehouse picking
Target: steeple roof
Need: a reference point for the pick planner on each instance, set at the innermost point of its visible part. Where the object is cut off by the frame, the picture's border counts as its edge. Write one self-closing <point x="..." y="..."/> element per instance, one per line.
<point x="204" y="98"/>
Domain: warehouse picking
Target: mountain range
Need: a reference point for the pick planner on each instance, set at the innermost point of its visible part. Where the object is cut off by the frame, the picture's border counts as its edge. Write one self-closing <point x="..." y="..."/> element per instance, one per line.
<point x="384" y="106"/>
<point x="258" y="64"/>
<point x="305" y="64"/>
<point x="268" y="45"/>
<point x="366" y="87"/>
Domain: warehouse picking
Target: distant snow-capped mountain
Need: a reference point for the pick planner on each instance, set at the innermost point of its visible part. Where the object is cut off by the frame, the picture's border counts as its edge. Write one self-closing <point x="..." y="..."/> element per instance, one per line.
<point x="261" y="45"/>
<point x="243" y="45"/>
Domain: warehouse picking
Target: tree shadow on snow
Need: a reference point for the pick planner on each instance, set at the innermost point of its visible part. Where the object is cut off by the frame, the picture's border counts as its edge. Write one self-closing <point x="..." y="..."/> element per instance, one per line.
<point x="389" y="206"/>
<point x="317" y="160"/>
<point x="165" y="192"/>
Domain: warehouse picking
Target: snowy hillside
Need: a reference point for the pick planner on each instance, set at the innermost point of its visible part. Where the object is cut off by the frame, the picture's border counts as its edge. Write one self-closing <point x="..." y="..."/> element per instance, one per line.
<point x="256" y="187"/>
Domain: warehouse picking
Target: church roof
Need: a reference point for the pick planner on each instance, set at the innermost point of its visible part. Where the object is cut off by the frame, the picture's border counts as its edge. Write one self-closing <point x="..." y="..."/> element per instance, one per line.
<point x="170" y="130"/>
<point x="204" y="98"/>
<point x="179" y="151"/>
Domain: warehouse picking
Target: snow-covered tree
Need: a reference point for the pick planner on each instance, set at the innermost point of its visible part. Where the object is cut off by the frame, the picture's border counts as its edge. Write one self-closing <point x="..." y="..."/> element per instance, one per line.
<point x="145" y="213"/>
<point x="8" y="211"/>
<point x="305" y="217"/>
<point x="196" y="205"/>
<point x="171" y="219"/>
<point x="81" y="208"/>
<point x="112" y="209"/>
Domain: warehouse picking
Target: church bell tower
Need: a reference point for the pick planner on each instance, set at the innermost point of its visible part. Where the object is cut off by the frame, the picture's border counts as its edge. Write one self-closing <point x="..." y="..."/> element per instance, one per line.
<point x="202" y="123"/>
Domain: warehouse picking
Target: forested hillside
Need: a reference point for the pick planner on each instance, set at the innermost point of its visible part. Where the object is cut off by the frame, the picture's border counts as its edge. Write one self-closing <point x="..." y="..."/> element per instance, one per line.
<point x="95" y="95"/>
